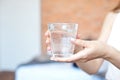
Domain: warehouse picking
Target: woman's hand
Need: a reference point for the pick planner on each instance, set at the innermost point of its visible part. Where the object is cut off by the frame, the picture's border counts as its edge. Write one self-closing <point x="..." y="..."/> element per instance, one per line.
<point x="47" y="34"/>
<point x="91" y="50"/>
<point x="84" y="50"/>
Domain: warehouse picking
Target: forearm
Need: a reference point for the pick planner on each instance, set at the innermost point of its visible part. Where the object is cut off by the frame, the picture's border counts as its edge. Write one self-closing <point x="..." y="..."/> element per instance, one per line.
<point x="90" y="67"/>
<point x="113" y="56"/>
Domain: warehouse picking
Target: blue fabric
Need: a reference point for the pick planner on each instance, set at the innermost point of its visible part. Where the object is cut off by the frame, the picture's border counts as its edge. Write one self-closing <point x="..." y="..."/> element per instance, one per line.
<point x="53" y="71"/>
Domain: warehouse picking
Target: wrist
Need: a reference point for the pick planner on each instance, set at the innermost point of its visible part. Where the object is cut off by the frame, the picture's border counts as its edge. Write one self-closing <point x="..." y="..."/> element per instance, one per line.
<point x="108" y="53"/>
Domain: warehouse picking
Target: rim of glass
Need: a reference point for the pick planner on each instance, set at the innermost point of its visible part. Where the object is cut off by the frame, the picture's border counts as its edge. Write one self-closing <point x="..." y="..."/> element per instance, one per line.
<point x="63" y="23"/>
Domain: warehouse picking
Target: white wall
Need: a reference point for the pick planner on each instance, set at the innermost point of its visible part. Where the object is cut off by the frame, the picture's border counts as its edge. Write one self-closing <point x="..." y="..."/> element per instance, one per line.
<point x="0" y="32"/>
<point x="20" y="32"/>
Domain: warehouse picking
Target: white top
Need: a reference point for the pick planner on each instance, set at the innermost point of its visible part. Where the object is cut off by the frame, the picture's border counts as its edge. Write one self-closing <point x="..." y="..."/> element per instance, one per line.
<point x="113" y="72"/>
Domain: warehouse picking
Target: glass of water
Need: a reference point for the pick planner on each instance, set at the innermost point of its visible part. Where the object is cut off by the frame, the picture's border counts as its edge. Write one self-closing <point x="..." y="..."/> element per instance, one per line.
<point x="61" y="35"/>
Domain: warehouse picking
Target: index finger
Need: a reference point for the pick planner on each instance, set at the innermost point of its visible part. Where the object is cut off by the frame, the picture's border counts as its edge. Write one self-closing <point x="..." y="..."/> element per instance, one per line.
<point x="47" y="33"/>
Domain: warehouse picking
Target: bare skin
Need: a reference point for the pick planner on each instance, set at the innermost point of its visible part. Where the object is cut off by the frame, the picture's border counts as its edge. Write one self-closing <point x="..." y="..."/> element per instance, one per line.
<point x="93" y="53"/>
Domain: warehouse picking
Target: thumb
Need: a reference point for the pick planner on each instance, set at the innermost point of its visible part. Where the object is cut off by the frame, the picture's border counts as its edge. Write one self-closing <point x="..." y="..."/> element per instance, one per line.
<point x="79" y="42"/>
<point x="78" y="36"/>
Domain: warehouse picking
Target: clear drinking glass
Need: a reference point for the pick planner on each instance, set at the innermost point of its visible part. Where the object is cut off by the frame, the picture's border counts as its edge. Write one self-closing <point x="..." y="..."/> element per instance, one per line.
<point x="61" y="35"/>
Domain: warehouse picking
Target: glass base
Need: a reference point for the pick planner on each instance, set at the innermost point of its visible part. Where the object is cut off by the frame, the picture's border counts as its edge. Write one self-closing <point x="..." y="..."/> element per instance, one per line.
<point x="61" y="55"/>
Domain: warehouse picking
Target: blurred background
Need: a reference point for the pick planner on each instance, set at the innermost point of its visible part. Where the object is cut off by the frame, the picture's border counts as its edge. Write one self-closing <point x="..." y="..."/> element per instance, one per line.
<point x="20" y="31"/>
<point x="24" y="22"/>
